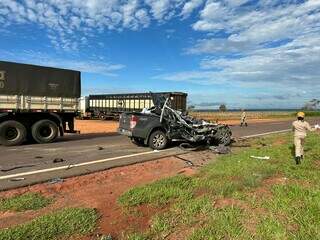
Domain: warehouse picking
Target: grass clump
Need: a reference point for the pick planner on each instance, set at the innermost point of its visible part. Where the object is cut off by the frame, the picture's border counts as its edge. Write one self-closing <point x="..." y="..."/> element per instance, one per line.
<point x="287" y="206"/>
<point x="224" y="224"/>
<point x="58" y="225"/>
<point x="27" y="201"/>
<point x="159" y="192"/>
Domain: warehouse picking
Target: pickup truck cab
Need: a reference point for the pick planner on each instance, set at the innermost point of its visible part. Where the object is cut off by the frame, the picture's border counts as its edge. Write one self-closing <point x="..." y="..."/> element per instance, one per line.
<point x="144" y="129"/>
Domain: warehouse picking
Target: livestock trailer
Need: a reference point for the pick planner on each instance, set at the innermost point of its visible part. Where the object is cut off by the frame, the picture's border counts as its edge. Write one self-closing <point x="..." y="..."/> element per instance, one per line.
<point x="112" y="105"/>
<point x="36" y="102"/>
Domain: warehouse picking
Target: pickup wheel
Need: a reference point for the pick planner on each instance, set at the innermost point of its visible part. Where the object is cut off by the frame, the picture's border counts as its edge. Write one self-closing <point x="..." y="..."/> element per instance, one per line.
<point x="44" y="131"/>
<point x="12" y="133"/>
<point x="158" y="140"/>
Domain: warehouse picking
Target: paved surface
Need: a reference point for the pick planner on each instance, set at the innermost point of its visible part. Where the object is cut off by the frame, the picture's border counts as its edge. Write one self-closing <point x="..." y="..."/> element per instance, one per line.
<point x="79" y="154"/>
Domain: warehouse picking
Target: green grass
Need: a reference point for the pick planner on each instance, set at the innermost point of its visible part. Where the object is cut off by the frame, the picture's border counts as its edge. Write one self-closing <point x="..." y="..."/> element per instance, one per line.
<point x="159" y="192"/>
<point x="291" y="210"/>
<point x="58" y="225"/>
<point x="27" y="201"/>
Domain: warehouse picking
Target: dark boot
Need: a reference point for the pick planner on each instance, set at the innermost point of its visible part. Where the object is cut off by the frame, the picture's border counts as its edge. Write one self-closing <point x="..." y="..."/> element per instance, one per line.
<point x="298" y="160"/>
<point x="246" y="124"/>
<point x="301" y="157"/>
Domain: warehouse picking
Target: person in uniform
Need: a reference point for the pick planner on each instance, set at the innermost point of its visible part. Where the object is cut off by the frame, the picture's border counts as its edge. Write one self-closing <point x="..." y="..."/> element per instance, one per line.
<point x="243" y="120"/>
<point x="300" y="128"/>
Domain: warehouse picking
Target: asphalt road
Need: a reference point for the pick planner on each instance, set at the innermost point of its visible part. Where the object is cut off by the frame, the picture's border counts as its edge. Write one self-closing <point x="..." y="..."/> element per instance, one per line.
<point x="82" y="154"/>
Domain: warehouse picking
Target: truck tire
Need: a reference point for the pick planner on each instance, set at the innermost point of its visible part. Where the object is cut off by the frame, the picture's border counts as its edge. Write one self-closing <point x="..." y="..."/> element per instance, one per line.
<point x="12" y="133"/>
<point x="44" y="131"/>
<point x="158" y="140"/>
<point x="102" y="116"/>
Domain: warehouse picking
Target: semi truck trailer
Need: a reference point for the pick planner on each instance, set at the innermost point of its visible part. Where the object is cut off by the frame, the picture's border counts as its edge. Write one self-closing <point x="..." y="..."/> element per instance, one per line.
<point x="110" y="106"/>
<point x="37" y="103"/>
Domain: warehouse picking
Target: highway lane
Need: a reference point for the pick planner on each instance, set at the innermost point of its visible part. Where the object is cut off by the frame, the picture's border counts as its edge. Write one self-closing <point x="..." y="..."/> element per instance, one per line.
<point x="64" y="155"/>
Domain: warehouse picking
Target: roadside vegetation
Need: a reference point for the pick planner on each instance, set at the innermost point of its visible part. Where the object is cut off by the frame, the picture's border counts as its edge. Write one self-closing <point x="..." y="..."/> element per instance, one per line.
<point x="238" y="197"/>
<point x="58" y="225"/>
<point x="230" y="115"/>
<point x="27" y="201"/>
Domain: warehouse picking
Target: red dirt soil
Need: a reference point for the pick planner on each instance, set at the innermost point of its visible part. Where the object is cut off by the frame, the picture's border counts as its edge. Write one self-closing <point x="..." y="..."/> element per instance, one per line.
<point x="101" y="191"/>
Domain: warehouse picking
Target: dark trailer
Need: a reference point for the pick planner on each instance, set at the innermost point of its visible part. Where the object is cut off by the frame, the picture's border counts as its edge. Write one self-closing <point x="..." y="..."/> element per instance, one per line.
<point x="112" y="105"/>
<point x="37" y="102"/>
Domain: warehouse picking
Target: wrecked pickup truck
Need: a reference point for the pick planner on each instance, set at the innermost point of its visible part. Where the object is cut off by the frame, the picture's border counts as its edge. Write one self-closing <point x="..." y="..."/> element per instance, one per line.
<point x="161" y="124"/>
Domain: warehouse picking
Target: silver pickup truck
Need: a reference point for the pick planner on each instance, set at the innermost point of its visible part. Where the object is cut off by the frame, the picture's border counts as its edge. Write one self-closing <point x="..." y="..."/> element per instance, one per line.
<point x="161" y="124"/>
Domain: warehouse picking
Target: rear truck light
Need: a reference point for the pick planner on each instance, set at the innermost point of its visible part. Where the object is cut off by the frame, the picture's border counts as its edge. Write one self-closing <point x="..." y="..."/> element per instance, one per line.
<point x="133" y="121"/>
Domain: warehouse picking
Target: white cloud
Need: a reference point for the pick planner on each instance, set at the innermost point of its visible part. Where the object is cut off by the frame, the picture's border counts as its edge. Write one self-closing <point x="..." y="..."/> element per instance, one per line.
<point x="190" y="6"/>
<point x="270" y="49"/>
<point x="66" y="19"/>
<point x="95" y="64"/>
<point x="294" y="65"/>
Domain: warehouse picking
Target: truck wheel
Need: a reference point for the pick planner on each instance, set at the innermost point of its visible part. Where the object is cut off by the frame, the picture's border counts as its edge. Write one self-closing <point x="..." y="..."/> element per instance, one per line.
<point x="158" y="140"/>
<point x="12" y="133"/>
<point x="44" y="131"/>
<point x="103" y="117"/>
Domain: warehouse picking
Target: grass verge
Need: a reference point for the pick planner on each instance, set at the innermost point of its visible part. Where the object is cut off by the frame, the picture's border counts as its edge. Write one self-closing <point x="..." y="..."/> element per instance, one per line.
<point x="27" y="201"/>
<point x="58" y="225"/>
<point x="238" y="197"/>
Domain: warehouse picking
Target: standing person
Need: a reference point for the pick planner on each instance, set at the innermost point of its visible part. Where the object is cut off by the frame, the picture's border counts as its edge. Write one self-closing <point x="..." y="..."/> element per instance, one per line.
<point x="300" y="128"/>
<point x="243" y="119"/>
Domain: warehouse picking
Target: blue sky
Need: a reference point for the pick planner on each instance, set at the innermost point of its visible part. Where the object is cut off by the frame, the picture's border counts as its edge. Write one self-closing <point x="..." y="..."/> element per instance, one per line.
<point x="244" y="53"/>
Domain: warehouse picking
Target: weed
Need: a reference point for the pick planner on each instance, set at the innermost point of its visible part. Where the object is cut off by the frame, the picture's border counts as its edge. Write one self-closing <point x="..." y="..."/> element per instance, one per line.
<point x="56" y="225"/>
<point x="28" y="201"/>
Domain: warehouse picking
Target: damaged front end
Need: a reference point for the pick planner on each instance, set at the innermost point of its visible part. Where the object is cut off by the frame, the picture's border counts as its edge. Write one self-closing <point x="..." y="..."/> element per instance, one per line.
<point x="183" y="127"/>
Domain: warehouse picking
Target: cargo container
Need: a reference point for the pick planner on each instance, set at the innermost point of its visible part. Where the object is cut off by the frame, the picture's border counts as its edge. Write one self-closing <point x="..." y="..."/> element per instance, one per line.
<point x="106" y="106"/>
<point x="37" y="102"/>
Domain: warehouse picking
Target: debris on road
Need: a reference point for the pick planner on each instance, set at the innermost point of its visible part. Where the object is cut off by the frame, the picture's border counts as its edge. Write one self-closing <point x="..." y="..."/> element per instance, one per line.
<point x="58" y="160"/>
<point x="69" y="167"/>
<point x="261" y="158"/>
<point x="56" y="180"/>
<point x="100" y="148"/>
<point x="185" y="160"/>
<point x="193" y="147"/>
<point x="16" y="167"/>
<point x="17" y="179"/>
<point x="221" y="149"/>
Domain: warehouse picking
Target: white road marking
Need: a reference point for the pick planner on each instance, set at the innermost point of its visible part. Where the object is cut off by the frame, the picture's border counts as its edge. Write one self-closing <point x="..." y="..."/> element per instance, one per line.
<point x="110" y="159"/>
<point x="77" y="165"/>
<point x="263" y="134"/>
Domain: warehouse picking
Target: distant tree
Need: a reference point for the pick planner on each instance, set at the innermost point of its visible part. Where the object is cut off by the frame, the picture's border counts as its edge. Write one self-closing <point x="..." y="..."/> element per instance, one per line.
<point x="222" y="108"/>
<point x="191" y="107"/>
